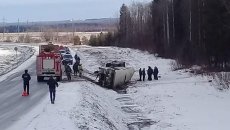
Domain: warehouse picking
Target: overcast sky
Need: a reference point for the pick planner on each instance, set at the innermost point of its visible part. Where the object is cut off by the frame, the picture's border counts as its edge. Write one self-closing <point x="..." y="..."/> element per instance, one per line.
<point x="51" y="10"/>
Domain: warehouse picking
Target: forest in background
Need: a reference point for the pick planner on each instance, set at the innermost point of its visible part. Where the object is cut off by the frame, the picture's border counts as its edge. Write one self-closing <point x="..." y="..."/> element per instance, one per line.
<point x="88" y="25"/>
<point x="190" y="31"/>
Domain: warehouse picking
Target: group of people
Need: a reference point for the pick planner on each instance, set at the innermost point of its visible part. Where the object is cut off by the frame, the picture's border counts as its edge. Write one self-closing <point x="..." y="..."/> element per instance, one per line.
<point x="150" y="72"/>
<point x="77" y="68"/>
<point x="52" y="83"/>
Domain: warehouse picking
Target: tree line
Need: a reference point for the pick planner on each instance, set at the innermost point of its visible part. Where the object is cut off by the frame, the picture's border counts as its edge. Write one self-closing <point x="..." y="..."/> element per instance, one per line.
<point x="190" y="31"/>
<point x="61" y="27"/>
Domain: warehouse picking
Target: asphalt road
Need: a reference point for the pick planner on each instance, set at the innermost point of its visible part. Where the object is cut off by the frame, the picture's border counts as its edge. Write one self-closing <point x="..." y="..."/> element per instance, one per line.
<point x="12" y="104"/>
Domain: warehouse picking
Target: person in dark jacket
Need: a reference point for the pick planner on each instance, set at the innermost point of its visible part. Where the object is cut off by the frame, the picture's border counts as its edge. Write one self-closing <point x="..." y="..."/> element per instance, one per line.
<point x="26" y="81"/>
<point x="68" y="72"/>
<point x="77" y="58"/>
<point x="143" y="73"/>
<point x="155" y="73"/>
<point x="150" y="72"/>
<point x="75" y="68"/>
<point x="140" y="74"/>
<point x="52" y="88"/>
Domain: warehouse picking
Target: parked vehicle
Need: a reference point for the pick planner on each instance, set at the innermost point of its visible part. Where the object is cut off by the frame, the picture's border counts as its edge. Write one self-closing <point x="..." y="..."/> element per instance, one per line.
<point x="62" y="52"/>
<point x="48" y="62"/>
<point x="67" y="59"/>
<point x="67" y="49"/>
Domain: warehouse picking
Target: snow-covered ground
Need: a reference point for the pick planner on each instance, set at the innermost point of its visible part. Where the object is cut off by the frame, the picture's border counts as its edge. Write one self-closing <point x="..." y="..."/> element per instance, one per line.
<point x="177" y="101"/>
<point x="9" y="59"/>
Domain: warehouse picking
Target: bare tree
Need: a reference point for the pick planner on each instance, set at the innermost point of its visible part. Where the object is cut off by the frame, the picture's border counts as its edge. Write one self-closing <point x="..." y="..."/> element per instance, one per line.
<point x="84" y="40"/>
<point x="76" y="40"/>
<point x="48" y="35"/>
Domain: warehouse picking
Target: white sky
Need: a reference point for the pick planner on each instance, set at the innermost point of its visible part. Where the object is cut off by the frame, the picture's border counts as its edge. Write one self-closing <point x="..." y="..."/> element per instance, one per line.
<point x="49" y="10"/>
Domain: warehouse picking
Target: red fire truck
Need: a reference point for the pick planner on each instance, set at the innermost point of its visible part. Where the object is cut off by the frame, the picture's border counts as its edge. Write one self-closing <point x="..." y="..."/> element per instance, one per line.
<point x="48" y="62"/>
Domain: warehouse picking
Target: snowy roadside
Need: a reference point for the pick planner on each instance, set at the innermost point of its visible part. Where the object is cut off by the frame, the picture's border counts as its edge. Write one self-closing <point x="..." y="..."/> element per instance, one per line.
<point x="178" y="100"/>
<point x="8" y="58"/>
<point x="79" y="105"/>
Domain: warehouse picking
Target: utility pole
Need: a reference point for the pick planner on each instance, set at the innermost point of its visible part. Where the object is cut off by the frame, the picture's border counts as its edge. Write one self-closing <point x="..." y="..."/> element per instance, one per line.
<point x="67" y="31"/>
<point x="16" y="50"/>
<point x="3" y="34"/>
<point x="72" y="28"/>
<point x="57" y="30"/>
<point x="27" y="26"/>
<point x="18" y="29"/>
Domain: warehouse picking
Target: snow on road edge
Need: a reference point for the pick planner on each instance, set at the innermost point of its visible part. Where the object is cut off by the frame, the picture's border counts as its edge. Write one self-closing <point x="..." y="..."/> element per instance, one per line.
<point x="26" y="58"/>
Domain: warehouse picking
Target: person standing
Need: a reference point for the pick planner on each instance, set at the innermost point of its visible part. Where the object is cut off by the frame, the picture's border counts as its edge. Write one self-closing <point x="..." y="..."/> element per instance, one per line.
<point x="140" y="74"/>
<point x="155" y="73"/>
<point x="143" y="73"/>
<point x="52" y="88"/>
<point x="150" y="72"/>
<point x="77" y="58"/>
<point x="68" y="72"/>
<point x="75" y="68"/>
<point x="26" y="83"/>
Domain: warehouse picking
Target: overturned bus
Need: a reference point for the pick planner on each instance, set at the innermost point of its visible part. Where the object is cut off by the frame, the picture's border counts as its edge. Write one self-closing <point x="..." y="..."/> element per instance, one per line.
<point x="115" y="75"/>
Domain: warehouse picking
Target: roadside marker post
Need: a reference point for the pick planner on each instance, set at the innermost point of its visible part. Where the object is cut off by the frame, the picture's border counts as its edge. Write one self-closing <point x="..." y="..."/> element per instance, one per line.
<point x="16" y="50"/>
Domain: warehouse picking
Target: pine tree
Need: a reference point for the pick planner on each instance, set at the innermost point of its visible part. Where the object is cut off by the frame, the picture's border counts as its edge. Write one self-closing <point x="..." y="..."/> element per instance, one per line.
<point x="124" y="25"/>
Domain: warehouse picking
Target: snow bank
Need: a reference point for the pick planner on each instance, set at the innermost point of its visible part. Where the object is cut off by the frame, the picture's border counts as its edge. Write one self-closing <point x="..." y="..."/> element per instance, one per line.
<point x="178" y="100"/>
<point x="47" y="116"/>
<point x="81" y="105"/>
<point x="98" y="109"/>
<point x="8" y="58"/>
<point x="5" y="52"/>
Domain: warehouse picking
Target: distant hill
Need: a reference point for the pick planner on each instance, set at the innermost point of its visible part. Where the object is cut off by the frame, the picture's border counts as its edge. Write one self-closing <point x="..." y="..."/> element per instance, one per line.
<point x="102" y="24"/>
<point x="103" y="20"/>
<point x="95" y="21"/>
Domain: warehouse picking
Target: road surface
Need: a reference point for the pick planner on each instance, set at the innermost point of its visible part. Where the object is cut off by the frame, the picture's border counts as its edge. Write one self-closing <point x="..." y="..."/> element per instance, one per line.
<point x="12" y="104"/>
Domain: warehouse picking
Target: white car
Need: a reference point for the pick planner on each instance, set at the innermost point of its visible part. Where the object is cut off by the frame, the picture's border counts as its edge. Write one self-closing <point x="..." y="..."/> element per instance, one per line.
<point x="68" y="59"/>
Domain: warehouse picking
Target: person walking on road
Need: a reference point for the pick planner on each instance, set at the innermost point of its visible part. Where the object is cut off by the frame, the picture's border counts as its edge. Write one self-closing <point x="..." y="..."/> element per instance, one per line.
<point x="52" y="88"/>
<point x="143" y="73"/>
<point x="26" y="83"/>
<point x="140" y="74"/>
